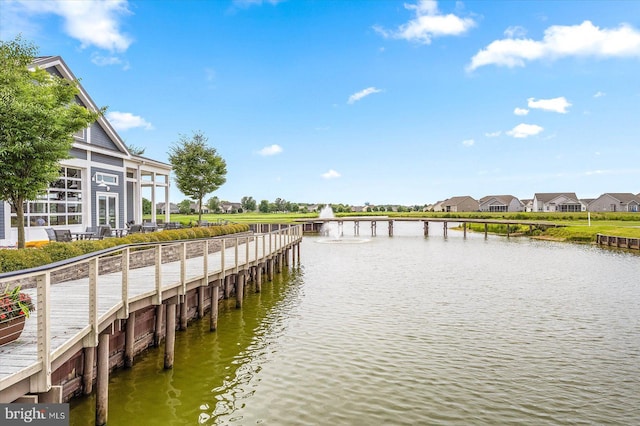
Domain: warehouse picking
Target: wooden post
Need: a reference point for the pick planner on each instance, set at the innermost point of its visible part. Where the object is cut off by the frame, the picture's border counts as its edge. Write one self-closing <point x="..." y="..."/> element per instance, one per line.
<point x="157" y="335"/>
<point x="270" y="269"/>
<point x="129" y="339"/>
<point x="240" y="289"/>
<point x="213" y="314"/>
<point x="258" y="279"/>
<point x="279" y="263"/>
<point x="170" y="340"/>
<point x="102" y="382"/>
<point x="508" y="231"/>
<point x="356" y="228"/>
<point x="184" y="309"/>
<point x="426" y="228"/>
<point x="486" y="229"/>
<point x="227" y="286"/>
<point x="391" y="228"/>
<point x="201" y="301"/>
<point x="87" y="371"/>
<point x="445" y="229"/>
<point x="298" y="249"/>
<point x="373" y="228"/>
<point x="464" y="229"/>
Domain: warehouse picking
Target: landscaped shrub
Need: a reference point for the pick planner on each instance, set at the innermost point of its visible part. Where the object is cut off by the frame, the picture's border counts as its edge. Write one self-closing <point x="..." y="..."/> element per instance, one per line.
<point x="61" y="251"/>
<point x="13" y="260"/>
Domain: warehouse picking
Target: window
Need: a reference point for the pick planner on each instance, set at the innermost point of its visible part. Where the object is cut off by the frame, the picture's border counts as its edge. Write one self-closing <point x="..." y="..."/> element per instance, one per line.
<point x="106" y="178"/>
<point x="60" y="205"/>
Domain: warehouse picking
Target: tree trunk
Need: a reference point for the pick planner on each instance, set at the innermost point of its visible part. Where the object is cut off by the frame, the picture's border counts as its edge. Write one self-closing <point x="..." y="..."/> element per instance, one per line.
<point x="200" y="211"/>
<point x="19" y="206"/>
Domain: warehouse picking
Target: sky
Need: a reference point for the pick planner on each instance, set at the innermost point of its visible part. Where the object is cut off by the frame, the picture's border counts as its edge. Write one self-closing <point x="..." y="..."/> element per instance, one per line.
<point x="364" y="101"/>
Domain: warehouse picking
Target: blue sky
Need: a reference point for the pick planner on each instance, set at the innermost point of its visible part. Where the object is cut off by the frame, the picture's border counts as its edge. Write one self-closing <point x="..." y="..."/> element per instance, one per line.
<point x="386" y="102"/>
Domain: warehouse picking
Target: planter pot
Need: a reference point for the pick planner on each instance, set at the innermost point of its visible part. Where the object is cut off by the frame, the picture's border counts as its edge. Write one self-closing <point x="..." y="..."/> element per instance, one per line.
<point x="11" y="329"/>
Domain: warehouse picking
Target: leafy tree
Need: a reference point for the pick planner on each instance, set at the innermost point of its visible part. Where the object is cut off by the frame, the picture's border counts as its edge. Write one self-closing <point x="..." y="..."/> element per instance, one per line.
<point x="38" y="117"/>
<point x="248" y="204"/>
<point x="281" y="205"/>
<point x="264" y="206"/>
<point x="214" y="204"/>
<point x="146" y="206"/>
<point x="198" y="168"/>
<point x="135" y="150"/>
<point x="184" y="207"/>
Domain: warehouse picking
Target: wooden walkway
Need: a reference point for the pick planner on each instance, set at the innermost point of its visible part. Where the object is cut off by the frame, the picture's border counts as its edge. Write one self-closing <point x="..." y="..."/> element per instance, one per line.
<point x="315" y="225"/>
<point x="70" y="315"/>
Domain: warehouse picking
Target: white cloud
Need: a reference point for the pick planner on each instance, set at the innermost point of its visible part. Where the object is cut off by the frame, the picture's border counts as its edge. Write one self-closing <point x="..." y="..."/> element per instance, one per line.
<point x="270" y="150"/>
<point x="92" y="22"/>
<point x="521" y="111"/>
<point x="555" y="105"/>
<point x="493" y="134"/>
<point x="428" y="23"/>
<point x="249" y="3"/>
<point x="516" y="31"/>
<point x="560" y="41"/>
<point x="525" y="130"/>
<point x="331" y="174"/>
<point x="468" y="142"/>
<point x="599" y="94"/>
<point x="126" y="121"/>
<point x="361" y="94"/>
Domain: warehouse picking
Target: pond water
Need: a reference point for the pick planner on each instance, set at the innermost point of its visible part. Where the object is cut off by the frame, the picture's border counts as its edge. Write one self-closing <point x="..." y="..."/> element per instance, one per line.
<point x="403" y="331"/>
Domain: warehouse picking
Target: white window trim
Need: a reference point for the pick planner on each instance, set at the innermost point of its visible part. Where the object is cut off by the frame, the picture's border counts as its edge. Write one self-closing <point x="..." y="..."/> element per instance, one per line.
<point x="99" y="178"/>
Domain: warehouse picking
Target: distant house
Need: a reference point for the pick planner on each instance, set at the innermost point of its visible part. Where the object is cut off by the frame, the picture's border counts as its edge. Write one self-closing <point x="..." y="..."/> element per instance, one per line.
<point x="557" y="202"/>
<point x="527" y="204"/>
<point x="194" y="207"/>
<point x="461" y="204"/>
<point x="173" y="208"/>
<point x="230" y="207"/>
<point x="438" y="207"/>
<point x="500" y="203"/>
<point x="615" y="202"/>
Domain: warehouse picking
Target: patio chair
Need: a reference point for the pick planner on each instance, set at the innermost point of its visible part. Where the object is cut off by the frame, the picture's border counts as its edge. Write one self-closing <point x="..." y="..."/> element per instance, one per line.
<point x="50" y="234"/>
<point x="135" y="229"/>
<point x="63" y="235"/>
<point x="104" y="231"/>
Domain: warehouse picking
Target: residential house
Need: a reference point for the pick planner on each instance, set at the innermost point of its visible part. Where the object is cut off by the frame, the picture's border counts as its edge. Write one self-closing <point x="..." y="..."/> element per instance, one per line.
<point x="230" y="207"/>
<point x="615" y="202"/>
<point x="173" y="208"/>
<point x="557" y="202"/>
<point x="500" y="203"/>
<point x="101" y="184"/>
<point x="527" y="204"/>
<point x="461" y="204"/>
<point x="194" y="207"/>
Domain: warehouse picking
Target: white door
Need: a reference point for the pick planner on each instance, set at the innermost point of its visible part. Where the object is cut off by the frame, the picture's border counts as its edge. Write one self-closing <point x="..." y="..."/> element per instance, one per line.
<point x="107" y="209"/>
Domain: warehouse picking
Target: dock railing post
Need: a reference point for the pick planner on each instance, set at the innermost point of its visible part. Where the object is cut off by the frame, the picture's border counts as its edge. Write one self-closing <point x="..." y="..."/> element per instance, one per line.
<point x="41" y="382"/>
<point x="125" y="284"/>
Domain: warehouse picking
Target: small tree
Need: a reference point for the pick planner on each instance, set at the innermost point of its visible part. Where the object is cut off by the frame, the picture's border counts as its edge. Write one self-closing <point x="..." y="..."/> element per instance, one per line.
<point x="199" y="169"/>
<point x="146" y="206"/>
<point x="264" y="206"/>
<point x="248" y="204"/>
<point x="214" y="204"/>
<point x="38" y="117"/>
<point x="184" y="207"/>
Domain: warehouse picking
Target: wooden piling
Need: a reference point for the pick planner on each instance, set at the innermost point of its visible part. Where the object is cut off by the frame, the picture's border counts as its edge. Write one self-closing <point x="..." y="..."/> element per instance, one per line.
<point x="426" y="228"/>
<point x="87" y="372"/>
<point x="170" y="339"/>
<point x="258" y="279"/>
<point x="102" y="382"/>
<point x="240" y="289"/>
<point x="213" y="314"/>
<point x="201" y="302"/>
<point x="486" y="230"/>
<point x="129" y="339"/>
<point x="227" y="286"/>
<point x="157" y="335"/>
<point x="464" y="229"/>
<point x="391" y="228"/>
<point x="184" y="309"/>
<point x="445" y="229"/>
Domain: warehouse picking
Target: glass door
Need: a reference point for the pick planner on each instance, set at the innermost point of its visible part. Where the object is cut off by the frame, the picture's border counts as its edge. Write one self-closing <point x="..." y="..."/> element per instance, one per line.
<point x="107" y="209"/>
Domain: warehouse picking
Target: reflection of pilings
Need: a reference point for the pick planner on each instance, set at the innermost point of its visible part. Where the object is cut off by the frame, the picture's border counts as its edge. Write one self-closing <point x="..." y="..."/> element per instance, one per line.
<point x="213" y="314"/>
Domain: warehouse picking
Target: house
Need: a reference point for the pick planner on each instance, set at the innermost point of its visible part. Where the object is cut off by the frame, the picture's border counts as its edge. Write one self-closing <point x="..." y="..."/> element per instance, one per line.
<point x="230" y="207"/>
<point x="460" y="204"/>
<point x="557" y="202"/>
<point x="527" y="204"/>
<point x="500" y="203"/>
<point x="615" y="202"/>
<point x="194" y="207"/>
<point x="101" y="184"/>
<point x="173" y="208"/>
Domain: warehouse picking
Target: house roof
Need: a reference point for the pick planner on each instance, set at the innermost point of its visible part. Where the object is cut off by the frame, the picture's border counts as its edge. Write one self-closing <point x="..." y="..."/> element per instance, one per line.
<point x="545" y="197"/>
<point x="623" y="197"/>
<point x="454" y="201"/>
<point x="504" y="199"/>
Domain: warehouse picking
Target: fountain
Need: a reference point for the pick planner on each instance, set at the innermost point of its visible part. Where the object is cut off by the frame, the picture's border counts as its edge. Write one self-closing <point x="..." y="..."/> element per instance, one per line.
<point x="332" y="232"/>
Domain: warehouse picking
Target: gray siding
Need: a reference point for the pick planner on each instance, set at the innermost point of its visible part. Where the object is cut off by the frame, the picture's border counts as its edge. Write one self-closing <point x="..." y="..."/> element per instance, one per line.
<point x="106" y="159"/>
<point x="78" y="153"/>
<point x="130" y="201"/>
<point x="54" y="71"/>
<point x="99" y="137"/>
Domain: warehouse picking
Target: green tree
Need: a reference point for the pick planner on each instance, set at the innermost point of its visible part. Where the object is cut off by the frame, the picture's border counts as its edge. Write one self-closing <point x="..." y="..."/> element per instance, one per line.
<point x="248" y="204"/>
<point x="38" y="117"/>
<point x="146" y="206"/>
<point x="214" y="204"/>
<point x="135" y="150"/>
<point x="264" y="206"/>
<point x="198" y="168"/>
<point x="184" y="207"/>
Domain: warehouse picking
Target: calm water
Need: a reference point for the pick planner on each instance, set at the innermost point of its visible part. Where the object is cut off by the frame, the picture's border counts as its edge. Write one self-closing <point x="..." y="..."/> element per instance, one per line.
<point x="408" y="331"/>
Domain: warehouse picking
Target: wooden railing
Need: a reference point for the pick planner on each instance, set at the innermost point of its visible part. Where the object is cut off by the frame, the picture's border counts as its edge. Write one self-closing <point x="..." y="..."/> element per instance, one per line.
<point x="90" y="292"/>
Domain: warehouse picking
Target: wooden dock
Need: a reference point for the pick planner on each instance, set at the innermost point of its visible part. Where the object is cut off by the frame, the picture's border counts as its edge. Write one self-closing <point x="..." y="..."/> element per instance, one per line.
<point x="314" y="226"/>
<point x="77" y="313"/>
<point x="618" y="242"/>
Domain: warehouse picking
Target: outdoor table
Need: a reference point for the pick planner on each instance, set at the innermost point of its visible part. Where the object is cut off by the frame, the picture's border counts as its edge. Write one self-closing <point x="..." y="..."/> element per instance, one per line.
<point x="119" y="232"/>
<point x="83" y="235"/>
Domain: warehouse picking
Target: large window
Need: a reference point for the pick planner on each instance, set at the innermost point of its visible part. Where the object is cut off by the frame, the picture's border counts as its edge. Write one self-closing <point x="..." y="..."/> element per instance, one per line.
<point x="61" y="205"/>
<point x="498" y="208"/>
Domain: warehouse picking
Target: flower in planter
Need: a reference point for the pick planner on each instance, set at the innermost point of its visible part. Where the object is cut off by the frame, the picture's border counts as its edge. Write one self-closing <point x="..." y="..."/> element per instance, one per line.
<point x="14" y="304"/>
